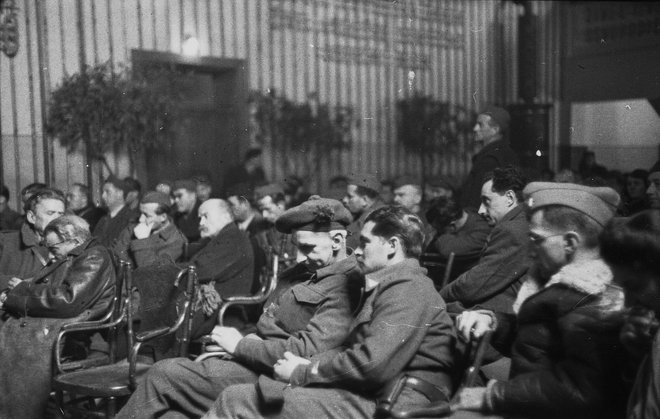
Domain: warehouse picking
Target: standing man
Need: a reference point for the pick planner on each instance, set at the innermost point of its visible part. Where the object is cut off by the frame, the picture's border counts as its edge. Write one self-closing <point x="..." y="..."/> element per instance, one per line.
<point x="493" y="151"/>
<point x="187" y="208"/>
<point x="563" y="340"/>
<point x="154" y="238"/>
<point x="79" y="201"/>
<point x="362" y="197"/>
<point x="307" y="313"/>
<point x="22" y="252"/>
<point x="402" y="329"/>
<point x="494" y="281"/>
<point x="119" y="214"/>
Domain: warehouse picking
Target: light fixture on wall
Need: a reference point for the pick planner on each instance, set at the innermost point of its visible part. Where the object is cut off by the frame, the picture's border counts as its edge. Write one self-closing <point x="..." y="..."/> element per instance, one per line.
<point x="8" y="27"/>
<point x="190" y="46"/>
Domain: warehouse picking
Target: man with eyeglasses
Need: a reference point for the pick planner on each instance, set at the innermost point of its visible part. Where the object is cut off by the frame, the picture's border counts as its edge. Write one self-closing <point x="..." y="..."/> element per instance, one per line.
<point x="21" y="252"/>
<point x="494" y="281"/>
<point x="562" y="336"/>
<point x="77" y="283"/>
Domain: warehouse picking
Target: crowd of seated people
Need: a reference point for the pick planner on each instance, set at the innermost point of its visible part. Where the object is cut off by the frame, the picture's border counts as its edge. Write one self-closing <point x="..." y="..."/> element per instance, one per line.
<point x="562" y="271"/>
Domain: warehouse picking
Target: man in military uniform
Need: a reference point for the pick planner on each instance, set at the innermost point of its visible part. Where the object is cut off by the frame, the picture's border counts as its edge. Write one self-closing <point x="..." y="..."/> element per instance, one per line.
<point x="362" y="197"/>
<point x="310" y="311"/>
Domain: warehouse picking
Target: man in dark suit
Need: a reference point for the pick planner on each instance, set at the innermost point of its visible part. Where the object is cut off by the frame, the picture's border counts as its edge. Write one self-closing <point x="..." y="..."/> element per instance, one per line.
<point x="79" y="202"/>
<point x="494" y="281"/>
<point x="119" y="214"/>
<point x="493" y="150"/>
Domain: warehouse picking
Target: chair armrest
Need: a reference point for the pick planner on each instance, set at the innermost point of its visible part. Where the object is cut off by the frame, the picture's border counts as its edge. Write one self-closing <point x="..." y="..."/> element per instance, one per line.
<point x="152" y="334"/>
<point x="431" y="410"/>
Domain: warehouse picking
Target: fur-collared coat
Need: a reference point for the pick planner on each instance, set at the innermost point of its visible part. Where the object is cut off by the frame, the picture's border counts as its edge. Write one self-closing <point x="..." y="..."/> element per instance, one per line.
<point x="564" y="348"/>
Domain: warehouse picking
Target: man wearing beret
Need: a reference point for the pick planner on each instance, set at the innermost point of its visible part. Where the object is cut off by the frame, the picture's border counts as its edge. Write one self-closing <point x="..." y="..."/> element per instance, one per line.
<point x="309" y="312"/>
<point x="119" y="214"/>
<point x="563" y="348"/>
<point x="402" y="329"/>
<point x="155" y="237"/>
<point x="362" y="197"/>
<point x="186" y="217"/>
<point x="493" y="150"/>
<point x="653" y="191"/>
<point x="494" y="281"/>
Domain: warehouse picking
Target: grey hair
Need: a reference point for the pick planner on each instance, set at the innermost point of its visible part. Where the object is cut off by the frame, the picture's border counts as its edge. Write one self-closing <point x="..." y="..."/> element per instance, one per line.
<point x="69" y="227"/>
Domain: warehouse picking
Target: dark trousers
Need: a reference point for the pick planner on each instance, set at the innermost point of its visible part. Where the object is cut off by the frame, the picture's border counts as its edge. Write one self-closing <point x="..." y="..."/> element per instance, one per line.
<point x="181" y="388"/>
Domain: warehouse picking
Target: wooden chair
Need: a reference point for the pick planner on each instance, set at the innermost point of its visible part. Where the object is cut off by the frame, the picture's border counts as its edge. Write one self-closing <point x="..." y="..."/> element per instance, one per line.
<point x="268" y="284"/>
<point x="114" y="380"/>
<point x="472" y="360"/>
<point x="439" y="269"/>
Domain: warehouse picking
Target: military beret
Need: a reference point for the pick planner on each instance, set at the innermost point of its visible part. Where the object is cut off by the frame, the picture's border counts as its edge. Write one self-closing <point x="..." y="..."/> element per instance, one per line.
<point x="404" y="180"/>
<point x="155" y="197"/>
<point x="118" y="183"/>
<point x="316" y="214"/>
<point x="271" y="189"/>
<point x="366" y="180"/>
<point x="187" y="184"/>
<point x="599" y="203"/>
<point x="499" y="115"/>
<point x="655" y="167"/>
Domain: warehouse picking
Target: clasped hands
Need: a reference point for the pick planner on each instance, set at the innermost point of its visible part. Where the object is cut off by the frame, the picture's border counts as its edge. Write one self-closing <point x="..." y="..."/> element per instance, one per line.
<point x="283" y="368"/>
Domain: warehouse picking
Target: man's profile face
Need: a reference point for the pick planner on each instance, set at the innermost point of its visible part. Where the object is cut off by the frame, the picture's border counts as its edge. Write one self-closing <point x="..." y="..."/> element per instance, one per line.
<point x="546" y="246"/>
<point x="653" y="191"/>
<point x="185" y="200"/>
<point x="407" y="196"/>
<point x="373" y="251"/>
<point x="314" y="248"/>
<point x="211" y="220"/>
<point x="494" y="206"/>
<point x="44" y="212"/>
<point x="483" y="130"/>
<point x="75" y="199"/>
<point x="240" y="207"/>
<point x="352" y="201"/>
<point x="112" y="196"/>
<point x="269" y="209"/>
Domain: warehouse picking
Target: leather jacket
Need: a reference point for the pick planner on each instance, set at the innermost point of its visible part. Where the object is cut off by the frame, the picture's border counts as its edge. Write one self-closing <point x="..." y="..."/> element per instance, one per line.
<point x="84" y="280"/>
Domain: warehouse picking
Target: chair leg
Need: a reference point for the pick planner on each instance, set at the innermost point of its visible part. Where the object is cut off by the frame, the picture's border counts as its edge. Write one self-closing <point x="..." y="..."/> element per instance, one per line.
<point x="111" y="408"/>
<point x="59" y="403"/>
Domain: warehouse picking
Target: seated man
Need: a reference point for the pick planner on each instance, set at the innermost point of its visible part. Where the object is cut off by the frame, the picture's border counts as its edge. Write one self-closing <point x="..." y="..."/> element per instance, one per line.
<point x="362" y="197"/>
<point x="307" y="313"/>
<point x="79" y="202"/>
<point x="187" y="208"/>
<point x="564" y="350"/>
<point x="494" y="281"/>
<point x="402" y="328"/>
<point x="458" y="231"/>
<point x="22" y="253"/>
<point x="632" y="248"/>
<point x="79" y="283"/>
<point x="271" y="203"/>
<point x="119" y="214"/>
<point x="155" y="238"/>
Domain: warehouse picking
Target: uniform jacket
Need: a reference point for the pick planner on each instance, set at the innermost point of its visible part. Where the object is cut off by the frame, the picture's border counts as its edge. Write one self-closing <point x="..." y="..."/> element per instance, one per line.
<point x="496" y="154"/>
<point x="494" y="281"/>
<point x="85" y="279"/>
<point x="165" y="245"/>
<point x="108" y="229"/>
<point x="563" y="349"/>
<point x="21" y="254"/>
<point x="188" y="223"/>
<point x="402" y="328"/>
<point x="468" y="241"/>
<point x="308" y="317"/>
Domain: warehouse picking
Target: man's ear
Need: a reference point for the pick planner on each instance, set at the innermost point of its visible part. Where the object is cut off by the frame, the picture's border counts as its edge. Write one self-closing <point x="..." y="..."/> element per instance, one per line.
<point x="338" y="241"/>
<point x="394" y="245"/>
<point x="511" y="197"/>
<point x="31" y="218"/>
<point x="571" y="242"/>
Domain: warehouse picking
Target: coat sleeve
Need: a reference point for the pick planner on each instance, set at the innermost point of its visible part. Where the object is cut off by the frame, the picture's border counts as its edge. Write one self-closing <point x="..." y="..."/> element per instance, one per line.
<point x="327" y="329"/>
<point x="154" y="249"/>
<point x="572" y="384"/>
<point x="503" y="261"/>
<point x="81" y="285"/>
<point x="393" y="333"/>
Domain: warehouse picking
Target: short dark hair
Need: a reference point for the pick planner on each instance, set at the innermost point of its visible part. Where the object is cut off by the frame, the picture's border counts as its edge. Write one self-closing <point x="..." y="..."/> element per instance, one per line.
<point x="163" y="209"/>
<point x="397" y="221"/>
<point x="565" y="218"/>
<point x="132" y="184"/>
<point x="42" y="194"/>
<point x="443" y="210"/>
<point x="508" y="178"/>
<point x="368" y="192"/>
<point x="339" y="179"/>
<point x="32" y="188"/>
<point x="633" y="242"/>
